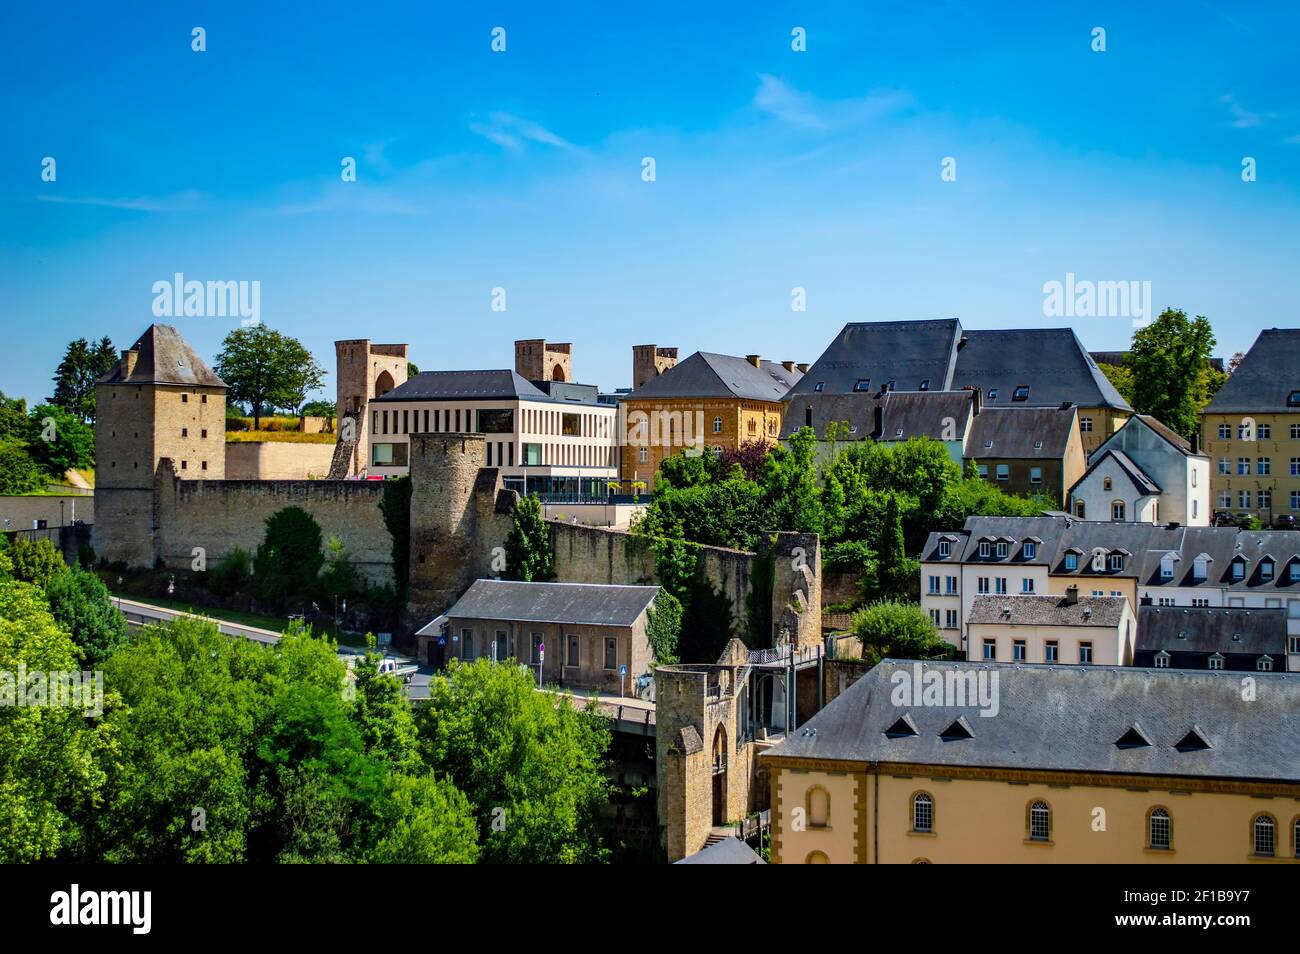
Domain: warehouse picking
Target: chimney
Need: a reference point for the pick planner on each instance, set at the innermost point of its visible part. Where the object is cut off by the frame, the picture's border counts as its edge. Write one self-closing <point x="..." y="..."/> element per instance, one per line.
<point x="1071" y="595"/>
<point x="752" y="359"/>
<point x="788" y="365"/>
<point x="1196" y="441"/>
<point x="1145" y="601"/>
<point x="803" y="367"/>
<point x="977" y="397"/>
<point x="128" y="363"/>
<point x="878" y="422"/>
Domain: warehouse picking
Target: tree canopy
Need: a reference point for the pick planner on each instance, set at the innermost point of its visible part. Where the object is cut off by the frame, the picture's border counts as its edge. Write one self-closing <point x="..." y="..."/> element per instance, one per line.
<point x="74" y="381"/>
<point x="266" y="369"/>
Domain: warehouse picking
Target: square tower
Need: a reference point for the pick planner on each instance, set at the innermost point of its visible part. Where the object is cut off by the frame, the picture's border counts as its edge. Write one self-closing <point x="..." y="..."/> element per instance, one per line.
<point x="160" y="400"/>
<point x="539" y="360"/>
<point x="365" y="371"/>
<point x="649" y="361"/>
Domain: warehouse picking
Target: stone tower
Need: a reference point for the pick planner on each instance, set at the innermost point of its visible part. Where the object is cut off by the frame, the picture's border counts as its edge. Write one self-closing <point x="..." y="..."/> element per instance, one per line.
<point x="460" y="517"/>
<point x="365" y="371"/>
<point x="159" y="401"/>
<point x="538" y="360"/>
<point x="650" y="361"/>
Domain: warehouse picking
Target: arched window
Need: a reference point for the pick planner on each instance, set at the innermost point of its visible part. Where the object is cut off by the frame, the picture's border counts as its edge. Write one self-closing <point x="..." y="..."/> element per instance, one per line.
<point x="1117" y="511"/>
<point x="1160" y="830"/>
<point x="922" y="812"/>
<point x="1265" y="832"/>
<point x="717" y="425"/>
<point x="1105" y="483"/>
<point x="818" y="803"/>
<point x="1040" y="822"/>
<point x="816" y="858"/>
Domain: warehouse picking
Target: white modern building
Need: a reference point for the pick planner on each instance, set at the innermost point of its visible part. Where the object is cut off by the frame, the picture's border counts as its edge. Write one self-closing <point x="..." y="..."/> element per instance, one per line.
<point x="552" y="438"/>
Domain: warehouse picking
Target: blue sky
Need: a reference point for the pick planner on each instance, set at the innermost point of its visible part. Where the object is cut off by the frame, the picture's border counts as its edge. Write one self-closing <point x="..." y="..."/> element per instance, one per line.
<point x="522" y="170"/>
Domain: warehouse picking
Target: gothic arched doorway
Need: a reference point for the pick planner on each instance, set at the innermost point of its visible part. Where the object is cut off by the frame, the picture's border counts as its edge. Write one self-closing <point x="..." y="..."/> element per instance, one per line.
<point x="383" y="384"/>
<point x="720" y="776"/>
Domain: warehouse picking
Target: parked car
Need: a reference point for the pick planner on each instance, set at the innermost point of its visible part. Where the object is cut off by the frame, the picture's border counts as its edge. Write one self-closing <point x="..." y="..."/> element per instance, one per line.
<point x="1285" y="521"/>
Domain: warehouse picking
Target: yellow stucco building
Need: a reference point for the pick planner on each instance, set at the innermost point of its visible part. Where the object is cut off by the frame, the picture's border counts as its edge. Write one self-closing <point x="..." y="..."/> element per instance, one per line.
<point x="968" y="763"/>
<point x="707" y="404"/>
<point x="1251" y="432"/>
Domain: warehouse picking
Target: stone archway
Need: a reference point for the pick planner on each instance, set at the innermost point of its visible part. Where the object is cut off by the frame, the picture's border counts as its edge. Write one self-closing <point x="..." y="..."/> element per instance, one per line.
<point x="720" y="776"/>
<point x="557" y="372"/>
<point x="383" y="384"/>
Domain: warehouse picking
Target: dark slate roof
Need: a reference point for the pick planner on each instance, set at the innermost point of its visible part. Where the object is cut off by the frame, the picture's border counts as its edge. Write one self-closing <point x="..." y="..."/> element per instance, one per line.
<point x="464" y="385"/>
<point x="705" y="375"/>
<point x="164" y="358"/>
<point x="1105" y="611"/>
<point x="1145" y="544"/>
<point x="904" y="414"/>
<point x="1269" y="372"/>
<point x="906" y="352"/>
<point x="729" y="851"/>
<point x="1050" y="361"/>
<point x="1212" y="629"/>
<point x="1068" y="718"/>
<point x="1014" y="432"/>
<point x="591" y="604"/>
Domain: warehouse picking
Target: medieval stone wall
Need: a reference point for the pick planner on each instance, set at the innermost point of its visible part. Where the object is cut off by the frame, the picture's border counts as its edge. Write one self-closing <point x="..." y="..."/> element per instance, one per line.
<point x="220" y="515"/>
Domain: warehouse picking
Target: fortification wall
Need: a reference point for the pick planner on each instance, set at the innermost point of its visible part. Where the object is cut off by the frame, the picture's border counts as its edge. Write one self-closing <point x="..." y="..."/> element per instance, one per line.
<point x="277" y="460"/>
<point x="220" y="515"/>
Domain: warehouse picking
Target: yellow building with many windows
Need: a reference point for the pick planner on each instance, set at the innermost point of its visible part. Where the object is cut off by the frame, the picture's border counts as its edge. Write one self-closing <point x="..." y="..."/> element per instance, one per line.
<point x="969" y="763"/>
<point x="1251" y="433"/>
<point x="708" y="403"/>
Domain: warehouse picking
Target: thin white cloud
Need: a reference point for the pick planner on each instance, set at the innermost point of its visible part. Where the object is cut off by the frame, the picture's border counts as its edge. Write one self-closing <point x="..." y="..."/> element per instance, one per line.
<point x="1243" y="118"/>
<point x="514" y="133"/>
<point x="778" y="98"/>
<point x="180" y="202"/>
<point x="1293" y="140"/>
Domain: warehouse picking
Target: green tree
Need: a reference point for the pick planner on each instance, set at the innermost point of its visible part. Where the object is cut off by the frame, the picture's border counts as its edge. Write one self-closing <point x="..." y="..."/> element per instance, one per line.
<point x="425" y="820"/>
<point x="664" y="628"/>
<point x="1170" y="361"/>
<point x="530" y="764"/>
<point x="791" y="498"/>
<point x="13" y="419"/>
<point x="80" y="602"/>
<point x="529" y="555"/>
<point x="289" y="560"/>
<point x="59" y="440"/>
<point x="74" y="382"/>
<point x="1121" y="377"/>
<point x="898" y="630"/>
<point x="891" y="574"/>
<point x="52" y="758"/>
<point x="266" y="369"/>
<point x="19" y="474"/>
<point x="36" y="562"/>
<point x="683" y="469"/>
<point x="395" y="506"/>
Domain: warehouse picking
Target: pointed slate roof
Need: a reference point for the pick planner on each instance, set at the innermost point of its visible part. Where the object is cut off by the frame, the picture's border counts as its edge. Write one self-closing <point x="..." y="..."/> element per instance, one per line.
<point x="906" y="352"/>
<point x="1266" y="376"/>
<point x="164" y="357"/>
<point x="706" y="374"/>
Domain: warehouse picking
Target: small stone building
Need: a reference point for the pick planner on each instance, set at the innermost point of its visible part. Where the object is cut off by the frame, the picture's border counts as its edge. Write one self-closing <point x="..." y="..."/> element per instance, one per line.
<point x="584" y="635"/>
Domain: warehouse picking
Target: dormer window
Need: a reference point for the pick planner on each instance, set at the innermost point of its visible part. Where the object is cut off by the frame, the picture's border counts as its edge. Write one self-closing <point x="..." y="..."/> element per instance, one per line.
<point x="1215" y="661"/>
<point x="1238" y="570"/>
<point x="925" y="385"/>
<point x="1293" y="399"/>
<point x="1029" y="550"/>
<point x="864" y="384"/>
<point x="1117" y="561"/>
<point x="1167" y="567"/>
<point x="1266" y="569"/>
<point x="985" y="551"/>
<point x="1293" y="574"/>
<point x="1021" y="393"/>
<point x="1072" y="561"/>
<point x="1002" y="551"/>
<point x="1199" y="568"/>
<point x="993" y="393"/>
<point x="1264" y="664"/>
<point x="1162" y="659"/>
<point x="945" y="548"/>
<point x="820" y="386"/>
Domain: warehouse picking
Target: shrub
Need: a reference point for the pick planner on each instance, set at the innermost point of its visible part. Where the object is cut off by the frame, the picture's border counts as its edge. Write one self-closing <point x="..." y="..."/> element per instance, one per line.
<point x="80" y="601"/>
<point x="36" y="561"/>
